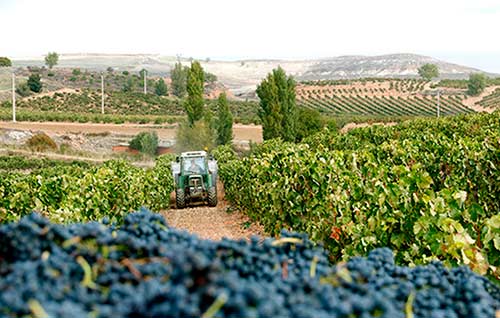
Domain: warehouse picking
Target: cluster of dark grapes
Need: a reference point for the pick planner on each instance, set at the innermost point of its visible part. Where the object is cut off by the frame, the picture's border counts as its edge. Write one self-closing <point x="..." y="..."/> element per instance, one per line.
<point x="143" y="268"/>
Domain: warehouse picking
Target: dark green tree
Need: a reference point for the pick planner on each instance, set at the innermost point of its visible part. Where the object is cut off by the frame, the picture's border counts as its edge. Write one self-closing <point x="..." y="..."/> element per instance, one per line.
<point x="277" y="105"/>
<point x="194" y="103"/>
<point x="309" y="122"/>
<point x="428" y="71"/>
<point x="51" y="59"/>
<point x="179" y="79"/>
<point x="161" y="87"/>
<point x="129" y="85"/>
<point x="5" y="61"/>
<point x="224" y="121"/>
<point x="145" y="142"/>
<point x="35" y="83"/>
<point x="476" y="84"/>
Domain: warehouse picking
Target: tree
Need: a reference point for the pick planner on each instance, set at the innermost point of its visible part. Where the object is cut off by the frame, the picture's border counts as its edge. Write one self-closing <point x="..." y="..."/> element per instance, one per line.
<point x="309" y="122"/>
<point x="179" y="78"/>
<point x="35" y="83"/>
<point x="161" y="87"/>
<point x="277" y="105"/>
<point x="110" y="70"/>
<point x="51" y="59"/>
<point x="224" y="121"/>
<point x="142" y="73"/>
<point x="129" y="85"/>
<point x="476" y="84"/>
<point x="5" y="61"/>
<point x="428" y="71"/>
<point x="194" y="103"/>
<point x="195" y="137"/>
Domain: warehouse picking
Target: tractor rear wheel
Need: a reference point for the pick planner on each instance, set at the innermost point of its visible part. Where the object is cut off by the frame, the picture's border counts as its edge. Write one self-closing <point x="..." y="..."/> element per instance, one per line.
<point x="180" y="198"/>
<point x="212" y="196"/>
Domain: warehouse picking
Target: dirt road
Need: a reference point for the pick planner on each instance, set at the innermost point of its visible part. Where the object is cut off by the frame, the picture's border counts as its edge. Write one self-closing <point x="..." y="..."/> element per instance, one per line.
<point x="212" y="223"/>
<point x="241" y="132"/>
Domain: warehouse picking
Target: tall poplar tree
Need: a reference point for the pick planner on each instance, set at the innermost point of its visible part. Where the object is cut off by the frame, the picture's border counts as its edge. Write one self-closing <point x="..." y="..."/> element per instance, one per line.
<point x="277" y="105"/>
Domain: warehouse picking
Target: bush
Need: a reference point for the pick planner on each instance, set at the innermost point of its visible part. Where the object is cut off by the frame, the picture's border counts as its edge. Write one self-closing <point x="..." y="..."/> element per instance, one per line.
<point x="41" y="142"/>
<point x="145" y="142"/>
<point x="35" y="83"/>
<point x="23" y="90"/>
<point x="76" y="72"/>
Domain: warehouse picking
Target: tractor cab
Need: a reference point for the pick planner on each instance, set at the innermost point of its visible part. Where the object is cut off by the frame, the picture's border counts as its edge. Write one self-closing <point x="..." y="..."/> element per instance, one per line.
<point x="195" y="176"/>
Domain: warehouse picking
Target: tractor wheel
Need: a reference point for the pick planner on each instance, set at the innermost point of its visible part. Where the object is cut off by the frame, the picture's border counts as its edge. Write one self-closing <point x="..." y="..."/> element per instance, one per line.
<point x="212" y="196"/>
<point x="180" y="198"/>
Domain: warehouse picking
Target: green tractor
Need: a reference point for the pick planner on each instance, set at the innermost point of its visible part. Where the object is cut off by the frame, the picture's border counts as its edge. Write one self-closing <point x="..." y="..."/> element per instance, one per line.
<point x="195" y="175"/>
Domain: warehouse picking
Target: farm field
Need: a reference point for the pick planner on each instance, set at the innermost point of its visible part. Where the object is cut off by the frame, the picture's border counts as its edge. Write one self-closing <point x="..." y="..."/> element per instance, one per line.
<point x="379" y="97"/>
<point x="398" y="195"/>
<point x="426" y="188"/>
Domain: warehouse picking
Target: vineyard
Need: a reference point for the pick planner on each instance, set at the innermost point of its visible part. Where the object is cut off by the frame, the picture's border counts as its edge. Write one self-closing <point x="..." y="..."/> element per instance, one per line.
<point x="77" y="192"/>
<point x="428" y="189"/>
<point x="377" y="97"/>
<point x="492" y="100"/>
<point x="120" y="107"/>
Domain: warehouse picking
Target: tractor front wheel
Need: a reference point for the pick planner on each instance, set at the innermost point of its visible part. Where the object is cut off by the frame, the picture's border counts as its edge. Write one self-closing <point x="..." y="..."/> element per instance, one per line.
<point x="180" y="198"/>
<point x="212" y="196"/>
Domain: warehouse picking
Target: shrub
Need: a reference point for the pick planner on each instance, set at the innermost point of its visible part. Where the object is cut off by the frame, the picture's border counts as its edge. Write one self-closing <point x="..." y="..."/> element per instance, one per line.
<point x="23" y="90"/>
<point x="35" y="83"/>
<point x="76" y="72"/>
<point x="145" y="142"/>
<point x="41" y="142"/>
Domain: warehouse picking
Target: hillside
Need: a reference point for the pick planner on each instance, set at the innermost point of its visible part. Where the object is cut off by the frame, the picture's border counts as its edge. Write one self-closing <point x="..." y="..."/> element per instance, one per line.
<point x="242" y="76"/>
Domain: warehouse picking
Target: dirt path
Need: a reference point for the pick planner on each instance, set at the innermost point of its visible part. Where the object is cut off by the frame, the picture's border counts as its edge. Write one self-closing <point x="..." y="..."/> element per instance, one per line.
<point x="241" y="132"/>
<point x="212" y="223"/>
<point x="31" y="154"/>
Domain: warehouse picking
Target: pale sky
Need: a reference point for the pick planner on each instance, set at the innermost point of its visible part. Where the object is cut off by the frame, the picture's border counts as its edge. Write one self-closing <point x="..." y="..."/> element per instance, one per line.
<point x="460" y="31"/>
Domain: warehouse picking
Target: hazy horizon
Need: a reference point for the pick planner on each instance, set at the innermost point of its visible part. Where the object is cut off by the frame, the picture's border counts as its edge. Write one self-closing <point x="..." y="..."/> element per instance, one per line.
<point x="457" y="31"/>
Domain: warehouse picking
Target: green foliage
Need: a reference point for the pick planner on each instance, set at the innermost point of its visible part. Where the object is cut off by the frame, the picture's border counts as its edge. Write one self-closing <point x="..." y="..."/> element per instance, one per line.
<point x="277" y="102"/>
<point x="51" y="59"/>
<point x="428" y="189"/>
<point x="145" y="142"/>
<point x="428" y="71"/>
<point x="76" y="72"/>
<point x="78" y="194"/>
<point x="198" y="136"/>
<point x="23" y="89"/>
<point x="126" y="73"/>
<point x="194" y="103"/>
<point x="224" y="121"/>
<point x="11" y="163"/>
<point x="35" y="83"/>
<point x="110" y="69"/>
<point x="179" y="80"/>
<point x="210" y="78"/>
<point x="5" y="61"/>
<point x="476" y="84"/>
<point x="161" y="88"/>
<point x="40" y="143"/>
<point x="143" y="73"/>
<point x="129" y="85"/>
<point x="309" y="121"/>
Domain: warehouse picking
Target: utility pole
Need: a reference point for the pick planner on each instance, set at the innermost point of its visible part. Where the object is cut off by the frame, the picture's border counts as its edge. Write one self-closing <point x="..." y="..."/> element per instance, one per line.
<point x="145" y="82"/>
<point x="439" y="92"/>
<point x="102" y="94"/>
<point x="13" y="97"/>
